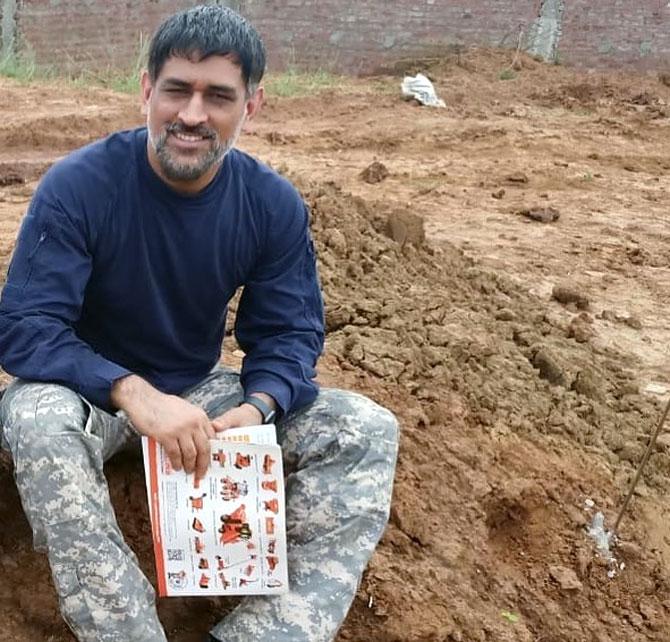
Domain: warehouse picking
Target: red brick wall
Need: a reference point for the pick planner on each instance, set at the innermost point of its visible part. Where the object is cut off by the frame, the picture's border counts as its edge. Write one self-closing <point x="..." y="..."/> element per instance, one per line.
<point x="358" y="36"/>
<point x="95" y="33"/>
<point x="355" y="35"/>
<point x="616" y="33"/>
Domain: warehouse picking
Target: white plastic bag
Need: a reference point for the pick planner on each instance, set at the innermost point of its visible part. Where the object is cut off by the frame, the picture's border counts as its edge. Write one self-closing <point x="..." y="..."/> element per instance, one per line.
<point x="421" y="89"/>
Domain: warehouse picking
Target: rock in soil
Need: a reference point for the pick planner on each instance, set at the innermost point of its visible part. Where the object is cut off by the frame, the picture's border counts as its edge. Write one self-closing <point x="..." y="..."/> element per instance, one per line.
<point x="405" y="228"/>
<point x="376" y="172"/>
<point x="566" y="578"/>
<point x="549" y="369"/>
<point x="581" y="328"/>
<point x="568" y="294"/>
<point x="518" y="178"/>
<point x="540" y="214"/>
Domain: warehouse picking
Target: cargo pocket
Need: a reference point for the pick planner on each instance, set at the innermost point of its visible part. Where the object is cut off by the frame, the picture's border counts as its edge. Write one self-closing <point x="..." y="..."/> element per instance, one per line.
<point x="102" y="593"/>
<point x="72" y="602"/>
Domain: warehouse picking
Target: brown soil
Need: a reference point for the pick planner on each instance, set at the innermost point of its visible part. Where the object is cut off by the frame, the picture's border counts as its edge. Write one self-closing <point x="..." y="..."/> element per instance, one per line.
<point x="525" y="359"/>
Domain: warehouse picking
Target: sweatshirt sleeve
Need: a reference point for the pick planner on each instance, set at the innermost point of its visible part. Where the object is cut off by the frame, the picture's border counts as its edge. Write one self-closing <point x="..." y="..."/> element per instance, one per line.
<point x="41" y="302"/>
<point x="279" y="321"/>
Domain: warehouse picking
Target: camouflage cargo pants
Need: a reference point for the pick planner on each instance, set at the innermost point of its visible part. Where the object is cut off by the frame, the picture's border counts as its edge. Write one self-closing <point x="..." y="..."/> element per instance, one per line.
<point x="339" y="457"/>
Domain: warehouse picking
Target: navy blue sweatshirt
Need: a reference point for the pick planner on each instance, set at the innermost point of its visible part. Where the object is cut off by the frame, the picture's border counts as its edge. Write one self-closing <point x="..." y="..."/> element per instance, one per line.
<point x="114" y="273"/>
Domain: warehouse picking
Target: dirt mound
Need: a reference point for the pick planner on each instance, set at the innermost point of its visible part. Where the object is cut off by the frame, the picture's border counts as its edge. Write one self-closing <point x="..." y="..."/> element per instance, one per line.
<point x="430" y="320"/>
<point x="18" y="173"/>
<point x="41" y="117"/>
<point x="578" y="94"/>
<point x="465" y="355"/>
<point x="590" y="95"/>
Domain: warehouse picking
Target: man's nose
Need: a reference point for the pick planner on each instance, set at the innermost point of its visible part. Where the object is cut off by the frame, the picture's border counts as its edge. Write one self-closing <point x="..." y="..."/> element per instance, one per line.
<point x="193" y="112"/>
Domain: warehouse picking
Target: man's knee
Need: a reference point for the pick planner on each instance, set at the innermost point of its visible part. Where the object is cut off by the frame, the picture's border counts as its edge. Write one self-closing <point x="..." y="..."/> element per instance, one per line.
<point x="34" y="413"/>
<point x="367" y="434"/>
<point x="350" y="410"/>
<point x="351" y="434"/>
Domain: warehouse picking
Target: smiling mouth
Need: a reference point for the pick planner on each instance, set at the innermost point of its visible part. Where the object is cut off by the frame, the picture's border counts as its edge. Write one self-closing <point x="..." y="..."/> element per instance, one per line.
<point x="189" y="138"/>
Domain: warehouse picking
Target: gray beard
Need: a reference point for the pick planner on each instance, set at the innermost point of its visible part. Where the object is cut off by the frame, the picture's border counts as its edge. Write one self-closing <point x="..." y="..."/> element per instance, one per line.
<point x="176" y="171"/>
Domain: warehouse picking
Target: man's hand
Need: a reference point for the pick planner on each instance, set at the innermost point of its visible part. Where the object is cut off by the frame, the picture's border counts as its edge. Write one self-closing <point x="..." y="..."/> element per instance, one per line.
<point x="184" y="430"/>
<point x="244" y="415"/>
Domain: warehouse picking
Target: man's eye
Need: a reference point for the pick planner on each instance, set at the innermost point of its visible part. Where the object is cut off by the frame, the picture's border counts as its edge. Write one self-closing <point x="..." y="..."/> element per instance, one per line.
<point x="175" y="90"/>
<point x="221" y="97"/>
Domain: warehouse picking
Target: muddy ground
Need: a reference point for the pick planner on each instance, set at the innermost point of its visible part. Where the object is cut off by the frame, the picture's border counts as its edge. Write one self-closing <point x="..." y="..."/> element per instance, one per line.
<point x="527" y="360"/>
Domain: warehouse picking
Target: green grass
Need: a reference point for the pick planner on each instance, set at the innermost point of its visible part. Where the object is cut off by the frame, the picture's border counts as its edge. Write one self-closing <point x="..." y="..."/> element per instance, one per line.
<point x="293" y="83"/>
<point x="26" y="71"/>
<point x="507" y="74"/>
<point x="124" y="81"/>
<point x="288" y="84"/>
<point x="23" y="68"/>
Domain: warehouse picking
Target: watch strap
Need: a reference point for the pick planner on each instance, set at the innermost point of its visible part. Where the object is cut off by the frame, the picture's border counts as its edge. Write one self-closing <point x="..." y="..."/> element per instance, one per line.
<point x="266" y="411"/>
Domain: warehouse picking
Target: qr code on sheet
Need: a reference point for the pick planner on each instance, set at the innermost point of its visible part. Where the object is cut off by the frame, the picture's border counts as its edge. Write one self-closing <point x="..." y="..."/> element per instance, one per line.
<point x="175" y="555"/>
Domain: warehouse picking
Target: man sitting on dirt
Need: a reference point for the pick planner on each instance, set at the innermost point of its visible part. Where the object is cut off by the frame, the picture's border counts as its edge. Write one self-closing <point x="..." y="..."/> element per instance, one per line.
<point x="116" y="300"/>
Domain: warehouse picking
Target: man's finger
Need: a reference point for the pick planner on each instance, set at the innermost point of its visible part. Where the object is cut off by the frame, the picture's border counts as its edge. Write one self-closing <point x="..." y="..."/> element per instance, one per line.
<point x="202" y="457"/>
<point x="173" y="452"/>
<point x="237" y="417"/>
<point x="219" y="425"/>
<point x="209" y="430"/>
<point x="224" y="421"/>
<point x="189" y="453"/>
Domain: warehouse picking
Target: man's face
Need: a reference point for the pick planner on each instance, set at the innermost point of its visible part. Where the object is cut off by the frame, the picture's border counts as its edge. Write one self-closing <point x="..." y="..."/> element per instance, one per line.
<point x="195" y="112"/>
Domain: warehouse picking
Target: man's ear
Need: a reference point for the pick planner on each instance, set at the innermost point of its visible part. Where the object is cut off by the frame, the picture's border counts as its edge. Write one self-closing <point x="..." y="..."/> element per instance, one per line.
<point x="146" y="89"/>
<point x="254" y="103"/>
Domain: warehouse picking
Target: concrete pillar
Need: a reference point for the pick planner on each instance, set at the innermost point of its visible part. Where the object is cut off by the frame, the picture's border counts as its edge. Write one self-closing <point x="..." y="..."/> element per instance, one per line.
<point x="545" y="33"/>
<point x="8" y="28"/>
<point x="235" y="5"/>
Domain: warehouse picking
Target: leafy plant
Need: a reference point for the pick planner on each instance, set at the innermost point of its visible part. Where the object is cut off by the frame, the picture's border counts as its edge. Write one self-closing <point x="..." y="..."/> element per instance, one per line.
<point x="509" y="616"/>
<point x="507" y="74"/>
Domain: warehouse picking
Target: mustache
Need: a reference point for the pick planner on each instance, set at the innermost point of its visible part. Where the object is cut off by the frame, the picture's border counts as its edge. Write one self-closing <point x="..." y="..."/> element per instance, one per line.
<point x="198" y="130"/>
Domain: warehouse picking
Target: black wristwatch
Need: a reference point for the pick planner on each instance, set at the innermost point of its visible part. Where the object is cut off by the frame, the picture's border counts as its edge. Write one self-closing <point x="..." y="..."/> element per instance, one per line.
<point x="268" y="413"/>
